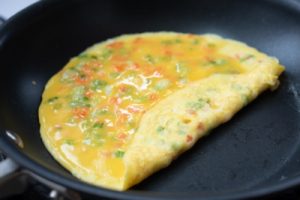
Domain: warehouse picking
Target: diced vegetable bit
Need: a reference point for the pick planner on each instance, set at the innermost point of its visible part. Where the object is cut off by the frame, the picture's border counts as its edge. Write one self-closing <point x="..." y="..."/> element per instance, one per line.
<point x="196" y="105"/>
<point x="141" y="99"/>
<point x="245" y="99"/>
<point x="78" y="97"/>
<point x="97" y="84"/>
<point x="94" y="138"/>
<point x="106" y="53"/>
<point x="162" y="84"/>
<point x="99" y="112"/>
<point x="182" y="129"/>
<point x="171" y="42"/>
<point x="181" y="132"/>
<point x="121" y="136"/>
<point x="189" y="138"/>
<point x="69" y="74"/>
<point x="218" y="62"/>
<point x="81" y="112"/>
<point x="211" y="45"/>
<point x="195" y="41"/>
<point x="87" y="56"/>
<point x="181" y="69"/>
<point x="119" y="154"/>
<point x="114" y="74"/>
<point x="160" y="129"/>
<point x="149" y="58"/>
<point x="176" y="146"/>
<point x="52" y="99"/>
<point x="246" y="57"/>
<point x="69" y="141"/>
<point x="98" y="125"/>
<point x="115" y="45"/>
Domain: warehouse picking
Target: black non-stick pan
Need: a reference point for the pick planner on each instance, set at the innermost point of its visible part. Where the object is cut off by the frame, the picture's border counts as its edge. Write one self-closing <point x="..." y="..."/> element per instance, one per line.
<point x="256" y="153"/>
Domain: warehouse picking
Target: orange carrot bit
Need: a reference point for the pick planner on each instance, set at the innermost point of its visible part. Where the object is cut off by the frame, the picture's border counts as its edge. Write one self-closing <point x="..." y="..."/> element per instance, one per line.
<point x="121" y="119"/>
<point x="81" y="113"/>
<point x="189" y="138"/>
<point x="93" y="64"/>
<point x="119" y="68"/>
<point x="118" y="58"/>
<point x="115" y="45"/>
<point x="135" y="66"/>
<point x="122" y="136"/>
<point x="81" y="80"/>
<point x="153" y="96"/>
<point x="88" y="93"/>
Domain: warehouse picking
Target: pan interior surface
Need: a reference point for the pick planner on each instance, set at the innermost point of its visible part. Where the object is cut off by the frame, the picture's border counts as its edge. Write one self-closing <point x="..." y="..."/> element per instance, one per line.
<point x="257" y="150"/>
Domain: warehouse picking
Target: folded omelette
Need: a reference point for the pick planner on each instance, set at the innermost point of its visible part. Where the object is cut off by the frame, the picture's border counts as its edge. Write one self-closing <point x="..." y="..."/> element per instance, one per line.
<point x="127" y="107"/>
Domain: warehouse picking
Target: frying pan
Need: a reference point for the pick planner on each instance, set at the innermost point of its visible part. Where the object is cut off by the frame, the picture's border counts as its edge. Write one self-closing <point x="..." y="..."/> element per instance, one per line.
<point x="255" y="154"/>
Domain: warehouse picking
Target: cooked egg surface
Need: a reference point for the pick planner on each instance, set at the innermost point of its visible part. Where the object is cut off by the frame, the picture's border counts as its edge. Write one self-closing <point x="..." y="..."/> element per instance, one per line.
<point x="127" y="107"/>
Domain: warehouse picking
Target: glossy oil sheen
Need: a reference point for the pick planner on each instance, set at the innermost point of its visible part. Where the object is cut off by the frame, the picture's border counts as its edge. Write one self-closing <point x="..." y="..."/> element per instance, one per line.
<point x="256" y="153"/>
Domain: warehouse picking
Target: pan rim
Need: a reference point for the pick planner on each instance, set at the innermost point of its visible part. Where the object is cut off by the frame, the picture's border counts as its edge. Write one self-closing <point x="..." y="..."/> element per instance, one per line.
<point x="23" y="160"/>
<point x="10" y="149"/>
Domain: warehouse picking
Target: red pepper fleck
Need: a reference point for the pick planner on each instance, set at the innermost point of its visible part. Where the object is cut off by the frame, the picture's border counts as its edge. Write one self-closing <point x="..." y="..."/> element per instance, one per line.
<point x="81" y="80"/>
<point x="120" y="67"/>
<point x="81" y="112"/>
<point x="189" y="138"/>
<point x="200" y="126"/>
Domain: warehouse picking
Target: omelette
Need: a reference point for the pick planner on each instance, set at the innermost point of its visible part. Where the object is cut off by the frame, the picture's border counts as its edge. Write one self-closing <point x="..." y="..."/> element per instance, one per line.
<point x="127" y="107"/>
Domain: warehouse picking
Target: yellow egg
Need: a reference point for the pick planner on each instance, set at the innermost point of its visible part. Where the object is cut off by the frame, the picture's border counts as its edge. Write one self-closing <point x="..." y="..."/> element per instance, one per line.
<point x="127" y="107"/>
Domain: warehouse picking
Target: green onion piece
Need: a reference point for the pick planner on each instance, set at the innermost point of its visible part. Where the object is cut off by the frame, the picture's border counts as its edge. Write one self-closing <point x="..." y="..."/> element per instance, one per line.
<point x="98" y="125"/>
<point x="160" y="129"/>
<point x="97" y="84"/>
<point x="106" y="54"/>
<point x="162" y="84"/>
<point x="149" y="59"/>
<point x="119" y="154"/>
<point x="200" y="103"/>
<point x="247" y="57"/>
<point x="52" y="99"/>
